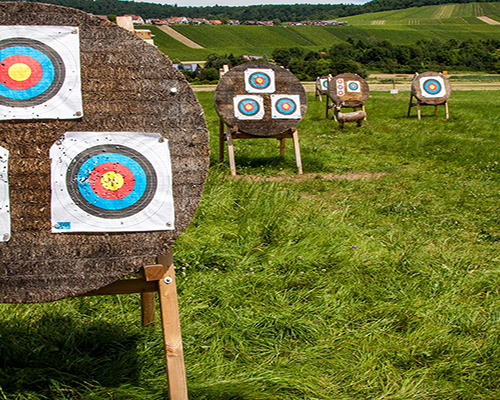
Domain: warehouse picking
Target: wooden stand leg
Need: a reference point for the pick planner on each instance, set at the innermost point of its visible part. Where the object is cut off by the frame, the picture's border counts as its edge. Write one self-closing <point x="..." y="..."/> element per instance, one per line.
<point x="177" y="387"/>
<point x="363" y="108"/>
<point x="447" y="111"/>
<point x="418" y="111"/>
<point x="221" y="141"/>
<point x="435" y="110"/>
<point x="327" y="106"/>
<point x="296" y="148"/>
<point x="230" y="151"/>
<point x="410" y="105"/>
<point x="147" y="308"/>
<point x="282" y="147"/>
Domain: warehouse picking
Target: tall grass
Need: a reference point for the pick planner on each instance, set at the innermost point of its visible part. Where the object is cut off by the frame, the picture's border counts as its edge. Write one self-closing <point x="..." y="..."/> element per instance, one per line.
<point x="373" y="276"/>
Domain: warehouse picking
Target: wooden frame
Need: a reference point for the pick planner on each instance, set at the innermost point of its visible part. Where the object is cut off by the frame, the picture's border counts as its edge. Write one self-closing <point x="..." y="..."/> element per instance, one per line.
<point x="419" y="104"/>
<point x="227" y="135"/>
<point x="151" y="279"/>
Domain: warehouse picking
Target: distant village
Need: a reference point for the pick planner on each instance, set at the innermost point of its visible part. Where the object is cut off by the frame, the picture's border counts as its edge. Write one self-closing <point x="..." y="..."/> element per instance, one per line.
<point x="137" y="20"/>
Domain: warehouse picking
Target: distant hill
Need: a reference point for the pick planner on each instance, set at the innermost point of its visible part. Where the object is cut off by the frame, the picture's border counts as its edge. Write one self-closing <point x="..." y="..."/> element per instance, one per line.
<point x="407" y="26"/>
<point x="296" y="12"/>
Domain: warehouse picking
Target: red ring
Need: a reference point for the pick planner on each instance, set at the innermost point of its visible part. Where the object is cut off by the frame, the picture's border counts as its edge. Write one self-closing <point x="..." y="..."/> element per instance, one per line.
<point x="33" y="79"/>
<point x="96" y="185"/>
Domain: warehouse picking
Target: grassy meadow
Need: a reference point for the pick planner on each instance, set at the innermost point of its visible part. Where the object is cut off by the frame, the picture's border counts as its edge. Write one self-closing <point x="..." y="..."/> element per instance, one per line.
<point x="375" y="275"/>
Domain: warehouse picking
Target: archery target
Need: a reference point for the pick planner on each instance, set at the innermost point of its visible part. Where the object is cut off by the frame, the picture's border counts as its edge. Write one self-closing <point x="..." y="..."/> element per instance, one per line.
<point x="340" y="87"/>
<point x="40" y="72"/>
<point x="248" y="107"/>
<point x="353" y="86"/>
<point x="111" y="182"/>
<point x="4" y="197"/>
<point x="324" y="84"/>
<point x="259" y="80"/>
<point x="432" y="86"/>
<point x="285" y="106"/>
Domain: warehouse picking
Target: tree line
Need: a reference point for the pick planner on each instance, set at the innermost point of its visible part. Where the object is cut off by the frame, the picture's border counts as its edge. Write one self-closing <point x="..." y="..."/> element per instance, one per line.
<point x="364" y="56"/>
<point x="295" y="12"/>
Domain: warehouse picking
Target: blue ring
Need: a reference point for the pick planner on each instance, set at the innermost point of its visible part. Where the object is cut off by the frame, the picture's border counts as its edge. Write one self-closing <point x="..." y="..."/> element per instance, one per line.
<point x="438" y="86"/>
<point x="41" y="86"/>
<point x="259" y="74"/>
<point x="356" y="86"/>
<point x="107" y="204"/>
<point x="291" y="102"/>
<point x="245" y="112"/>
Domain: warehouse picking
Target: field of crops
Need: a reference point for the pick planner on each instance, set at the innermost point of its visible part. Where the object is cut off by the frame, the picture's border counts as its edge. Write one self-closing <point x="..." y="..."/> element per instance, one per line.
<point x="449" y="21"/>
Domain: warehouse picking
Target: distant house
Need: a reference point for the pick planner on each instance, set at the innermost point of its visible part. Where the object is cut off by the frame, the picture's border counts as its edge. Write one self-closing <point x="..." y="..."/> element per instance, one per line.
<point x="136" y="19"/>
<point x="295" y="23"/>
<point x="233" y="22"/>
<point x="265" y="23"/>
<point x="145" y="34"/>
<point x="188" y="66"/>
<point x="249" y="22"/>
<point x="178" y="20"/>
<point x="215" y="22"/>
<point x="200" y="21"/>
<point x="125" y="22"/>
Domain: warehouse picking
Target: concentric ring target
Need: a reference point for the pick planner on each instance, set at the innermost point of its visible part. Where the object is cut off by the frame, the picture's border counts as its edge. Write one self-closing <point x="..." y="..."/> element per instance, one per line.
<point x="286" y="106"/>
<point x="31" y="72"/>
<point x="324" y="84"/>
<point x="353" y="86"/>
<point x="432" y="86"/>
<point x="248" y="107"/>
<point x="259" y="80"/>
<point x="111" y="181"/>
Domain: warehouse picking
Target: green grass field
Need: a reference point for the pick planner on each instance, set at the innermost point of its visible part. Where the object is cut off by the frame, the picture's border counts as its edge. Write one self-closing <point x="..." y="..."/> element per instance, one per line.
<point x="375" y="275"/>
<point x="449" y="21"/>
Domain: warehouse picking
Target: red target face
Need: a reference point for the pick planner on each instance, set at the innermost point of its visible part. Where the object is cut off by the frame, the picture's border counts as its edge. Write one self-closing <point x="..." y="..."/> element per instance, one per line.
<point x="112" y="181"/>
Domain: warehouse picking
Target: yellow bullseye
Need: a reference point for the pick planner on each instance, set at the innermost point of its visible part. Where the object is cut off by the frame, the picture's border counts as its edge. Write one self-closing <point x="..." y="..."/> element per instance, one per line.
<point x="112" y="180"/>
<point x="19" y="72"/>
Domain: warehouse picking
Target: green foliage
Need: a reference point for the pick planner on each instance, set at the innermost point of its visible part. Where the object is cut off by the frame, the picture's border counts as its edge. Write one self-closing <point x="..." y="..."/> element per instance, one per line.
<point x="374" y="275"/>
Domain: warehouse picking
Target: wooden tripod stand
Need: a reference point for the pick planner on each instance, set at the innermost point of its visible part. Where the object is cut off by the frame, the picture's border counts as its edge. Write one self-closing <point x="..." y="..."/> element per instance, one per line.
<point x="151" y="279"/>
<point x="228" y="135"/>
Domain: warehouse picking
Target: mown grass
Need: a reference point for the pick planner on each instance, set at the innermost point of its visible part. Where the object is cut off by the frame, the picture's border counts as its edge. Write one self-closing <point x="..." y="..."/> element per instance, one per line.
<point x="373" y="276"/>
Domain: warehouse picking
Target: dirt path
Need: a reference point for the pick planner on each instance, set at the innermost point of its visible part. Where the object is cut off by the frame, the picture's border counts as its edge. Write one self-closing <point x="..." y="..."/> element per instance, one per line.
<point x="488" y="20"/>
<point x="181" y="38"/>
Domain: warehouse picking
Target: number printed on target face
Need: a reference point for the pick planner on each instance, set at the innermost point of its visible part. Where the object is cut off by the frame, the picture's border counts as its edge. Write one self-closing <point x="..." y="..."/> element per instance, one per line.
<point x="40" y="72"/>
<point x="111" y="182"/>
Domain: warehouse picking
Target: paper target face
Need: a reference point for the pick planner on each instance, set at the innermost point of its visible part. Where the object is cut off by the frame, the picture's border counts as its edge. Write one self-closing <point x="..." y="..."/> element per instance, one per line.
<point x="323" y="84"/>
<point x="285" y="106"/>
<point x="248" y="107"/>
<point x="432" y="86"/>
<point x="340" y="87"/>
<point x="111" y="182"/>
<point x="259" y="80"/>
<point x="5" y="231"/>
<point x="40" y="72"/>
<point x="353" y="86"/>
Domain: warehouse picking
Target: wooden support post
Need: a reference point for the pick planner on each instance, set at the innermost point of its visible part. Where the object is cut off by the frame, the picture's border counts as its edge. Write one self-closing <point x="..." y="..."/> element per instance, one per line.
<point x="282" y="146"/>
<point x="418" y="111"/>
<point x="169" y="307"/>
<point x="230" y="151"/>
<point x="410" y="105"/>
<point x="327" y="106"/>
<point x="147" y="308"/>
<point x="447" y="110"/>
<point x="296" y="148"/>
<point x="221" y="140"/>
<point x="435" y="110"/>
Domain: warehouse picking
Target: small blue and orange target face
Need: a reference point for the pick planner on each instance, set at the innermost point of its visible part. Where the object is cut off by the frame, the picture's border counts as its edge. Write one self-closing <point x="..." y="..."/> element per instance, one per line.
<point x="324" y="84"/>
<point x="285" y="106"/>
<point x="111" y="181"/>
<point x="31" y="72"/>
<point x="353" y="86"/>
<point x="432" y="86"/>
<point x="248" y="107"/>
<point x="259" y="80"/>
